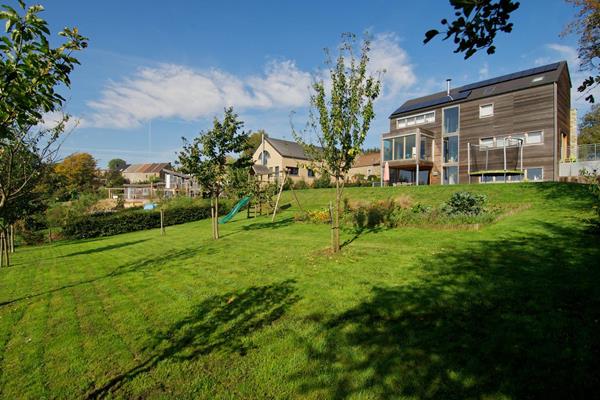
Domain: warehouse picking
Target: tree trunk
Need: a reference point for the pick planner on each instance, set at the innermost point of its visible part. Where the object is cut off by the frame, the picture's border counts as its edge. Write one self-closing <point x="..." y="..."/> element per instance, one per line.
<point x="1" y="249"/>
<point x="335" y="245"/>
<point x="212" y="216"/>
<point x="217" y="217"/>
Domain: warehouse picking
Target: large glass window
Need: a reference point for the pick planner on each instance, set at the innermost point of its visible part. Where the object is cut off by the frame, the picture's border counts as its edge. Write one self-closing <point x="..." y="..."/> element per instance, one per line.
<point x="451" y="120"/>
<point x="423" y="148"/>
<point x="387" y="149"/>
<point x="409" y="147"/>
<point x="450" y="175"/>
<point x="451" y="149"/>
<point x="398" y="147"/>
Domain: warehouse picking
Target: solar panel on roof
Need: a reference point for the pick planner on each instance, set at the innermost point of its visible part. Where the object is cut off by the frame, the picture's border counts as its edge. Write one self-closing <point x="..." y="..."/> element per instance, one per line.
<point x="510" y="77"/>
<point x="432" y="102"/>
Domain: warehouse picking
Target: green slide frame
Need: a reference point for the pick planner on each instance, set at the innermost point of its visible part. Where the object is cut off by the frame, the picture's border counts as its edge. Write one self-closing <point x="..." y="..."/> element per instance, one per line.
<point x="235" y="210"/>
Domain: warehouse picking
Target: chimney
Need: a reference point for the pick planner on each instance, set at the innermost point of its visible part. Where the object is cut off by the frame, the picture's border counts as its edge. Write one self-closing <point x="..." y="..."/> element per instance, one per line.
<point x="448" y="86"/>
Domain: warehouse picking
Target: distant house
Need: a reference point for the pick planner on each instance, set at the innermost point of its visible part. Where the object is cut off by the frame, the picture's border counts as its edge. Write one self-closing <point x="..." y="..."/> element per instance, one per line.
<point x="151" y="180"/>
<point x="143" y="173"/>
<point x="366" y="165"/>
<point x="279" y="156"/>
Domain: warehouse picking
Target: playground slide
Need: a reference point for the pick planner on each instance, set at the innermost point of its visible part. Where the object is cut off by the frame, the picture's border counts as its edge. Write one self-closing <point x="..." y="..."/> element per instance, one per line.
<point x="235" y="210"/>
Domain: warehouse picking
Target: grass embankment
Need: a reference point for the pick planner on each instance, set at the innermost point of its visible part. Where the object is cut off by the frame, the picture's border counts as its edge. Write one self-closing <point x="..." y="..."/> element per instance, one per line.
<point x="509" y="311"/>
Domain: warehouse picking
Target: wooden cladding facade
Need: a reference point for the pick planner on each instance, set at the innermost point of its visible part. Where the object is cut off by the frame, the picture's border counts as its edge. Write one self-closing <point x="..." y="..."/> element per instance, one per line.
<point x="544" y="108"/>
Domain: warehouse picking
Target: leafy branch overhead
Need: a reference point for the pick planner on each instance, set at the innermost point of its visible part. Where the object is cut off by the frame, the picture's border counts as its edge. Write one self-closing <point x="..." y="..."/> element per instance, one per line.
<point x="476" y="24"/>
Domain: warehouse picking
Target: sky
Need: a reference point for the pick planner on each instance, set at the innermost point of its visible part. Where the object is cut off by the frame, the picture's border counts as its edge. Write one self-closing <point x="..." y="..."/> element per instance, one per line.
<point x="155" y="72"/>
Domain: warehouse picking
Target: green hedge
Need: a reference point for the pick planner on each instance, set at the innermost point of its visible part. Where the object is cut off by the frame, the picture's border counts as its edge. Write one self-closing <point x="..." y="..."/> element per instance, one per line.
<point x="114" y="223"/>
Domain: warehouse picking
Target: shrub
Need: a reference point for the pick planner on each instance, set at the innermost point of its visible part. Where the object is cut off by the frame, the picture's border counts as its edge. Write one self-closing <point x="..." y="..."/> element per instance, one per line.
<point x="373" y="214"/>
<point x="323" y="181"/>
<point x="114" y="223"/>
<point x="465" y="203"/>
<point x="301" y="184"/>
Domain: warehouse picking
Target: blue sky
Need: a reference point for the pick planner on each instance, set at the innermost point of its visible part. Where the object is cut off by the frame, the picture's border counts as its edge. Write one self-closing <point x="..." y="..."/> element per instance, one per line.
<point x="157" y="71"/>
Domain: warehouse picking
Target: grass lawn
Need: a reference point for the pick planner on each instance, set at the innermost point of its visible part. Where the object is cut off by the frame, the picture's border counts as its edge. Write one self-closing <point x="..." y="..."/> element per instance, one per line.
<point x="508" y="311"/>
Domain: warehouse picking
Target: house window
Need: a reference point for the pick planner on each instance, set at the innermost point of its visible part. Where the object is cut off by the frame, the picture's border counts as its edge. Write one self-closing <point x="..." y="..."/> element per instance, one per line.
<point x="311" y="173"/>
<point x="450" y="175"/>
<point x="425" y="118"/>
<point x="398" y="148"/>
<point x="535" y="174"/>
<point x="410" y="149"/>
<point x="292" y="171"/>
<point x="451" y="149"/>
<point x="387" y="149"/>
<point x="265" y="157"/>
<point x="534" y="137"/>
<point x="451" y="124"/>
<point x="486" y="110"/>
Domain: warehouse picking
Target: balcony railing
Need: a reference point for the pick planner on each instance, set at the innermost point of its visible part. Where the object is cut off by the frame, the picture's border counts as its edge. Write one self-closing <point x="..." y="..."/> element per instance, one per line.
<point x="583" y="152"/>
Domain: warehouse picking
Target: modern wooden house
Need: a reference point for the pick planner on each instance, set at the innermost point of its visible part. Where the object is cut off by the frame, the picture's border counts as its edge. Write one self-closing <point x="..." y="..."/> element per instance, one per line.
<point x="511" y="128"/>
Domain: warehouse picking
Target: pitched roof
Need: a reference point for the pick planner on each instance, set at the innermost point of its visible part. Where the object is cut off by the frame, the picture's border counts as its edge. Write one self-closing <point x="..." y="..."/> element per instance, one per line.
<point x="288" y="149"/>
<point x="146" y="168"/>
<point x="367" y="159"/>
<point x="490" y="87"/>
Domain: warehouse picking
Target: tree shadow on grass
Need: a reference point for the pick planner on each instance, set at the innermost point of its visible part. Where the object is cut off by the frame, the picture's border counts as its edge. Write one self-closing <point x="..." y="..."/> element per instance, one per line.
<point x="218" y="324"/>
<point x="573" y="195"/>
<point x="270" y="225"/>
<point x="105" y="248"/>
<point x="358" y="232"/>
<point x="135" y="266"/>
<point x="515" y="317"/>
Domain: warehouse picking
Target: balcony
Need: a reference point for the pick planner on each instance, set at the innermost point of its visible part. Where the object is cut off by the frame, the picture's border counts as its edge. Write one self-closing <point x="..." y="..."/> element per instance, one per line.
<point x="578" y="158"/>
<point x="409" y="150"/>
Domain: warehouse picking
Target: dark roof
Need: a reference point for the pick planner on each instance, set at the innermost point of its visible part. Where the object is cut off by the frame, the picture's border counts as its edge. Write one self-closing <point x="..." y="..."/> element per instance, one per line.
<point x="288" y="149"/>
<point x="490" y="87"/>
<point x="260" y="169"/>
<point x="146" y="168"/>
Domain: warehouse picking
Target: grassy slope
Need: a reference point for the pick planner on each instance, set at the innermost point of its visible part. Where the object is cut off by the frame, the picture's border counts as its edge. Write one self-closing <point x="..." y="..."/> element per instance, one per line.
<point x="509" y="311"/>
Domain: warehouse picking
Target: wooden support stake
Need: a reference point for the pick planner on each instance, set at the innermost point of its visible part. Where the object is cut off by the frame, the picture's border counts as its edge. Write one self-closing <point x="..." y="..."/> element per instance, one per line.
<point x="162" y="225"/>
<point x="12" y="238"/>
<point x="278" y="197"/>
<point x="1" y="249"/>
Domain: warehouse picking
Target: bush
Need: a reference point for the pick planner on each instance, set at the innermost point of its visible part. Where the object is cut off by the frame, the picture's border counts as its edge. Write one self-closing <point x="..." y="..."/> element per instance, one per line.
<point x="114" y="223"/>
<point x="323" y="181"/>
<point x="465" y="203"/>
<point x="373" y="214"/>
<point x="301" y="184"/>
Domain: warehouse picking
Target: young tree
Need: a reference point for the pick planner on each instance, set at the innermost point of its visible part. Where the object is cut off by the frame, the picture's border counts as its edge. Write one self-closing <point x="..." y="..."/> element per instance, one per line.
<point x="589" y="128"/>
<point x="31" y="71"/>
<point x="341" y="118"/>
<point x="206" y="158"/>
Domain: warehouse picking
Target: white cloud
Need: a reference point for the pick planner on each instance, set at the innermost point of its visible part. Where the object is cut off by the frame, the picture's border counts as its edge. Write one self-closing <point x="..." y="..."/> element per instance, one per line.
<point x="386" y="54"/>
<point x="177" y="91"/>
<point x="51" y="119"/>
<point x="484" y="72"/>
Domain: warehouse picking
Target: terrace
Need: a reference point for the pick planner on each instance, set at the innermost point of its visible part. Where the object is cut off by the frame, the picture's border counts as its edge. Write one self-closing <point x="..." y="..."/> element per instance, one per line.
<point x="409" y="155"/>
